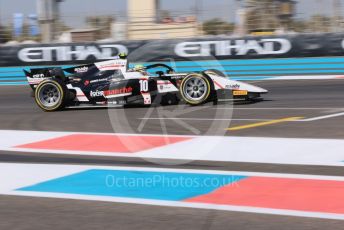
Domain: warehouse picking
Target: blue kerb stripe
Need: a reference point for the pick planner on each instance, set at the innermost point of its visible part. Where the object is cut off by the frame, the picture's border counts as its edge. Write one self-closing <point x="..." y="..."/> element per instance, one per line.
<point x="21" y="68"/>
<point x="252" y="71"/>
<point x="136" y="184"/>
<point x="251" y="78"/>
<point x="298" y="63"/>
<point x="12" y="78"/>
<point x="267" y="67"/>
<point x="275" y="61"/>
<point x="12" y="74"/>
<point x="286" y="72"/>
<point x="278" y="61"/>
<point x="20" y="75"/>
<point x="237" y="69"/>
<point x="14" y="83"/>
<point x="230" y="63"/>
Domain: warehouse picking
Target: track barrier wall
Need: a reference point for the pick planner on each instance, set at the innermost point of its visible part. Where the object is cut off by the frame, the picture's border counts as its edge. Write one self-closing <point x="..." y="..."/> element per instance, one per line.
<point x="248" y="58"/>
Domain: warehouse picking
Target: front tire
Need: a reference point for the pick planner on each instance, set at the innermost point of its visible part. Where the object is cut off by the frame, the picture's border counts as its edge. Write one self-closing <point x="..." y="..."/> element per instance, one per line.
<point x="50" y="95"/>
<point x="195" y="89"/>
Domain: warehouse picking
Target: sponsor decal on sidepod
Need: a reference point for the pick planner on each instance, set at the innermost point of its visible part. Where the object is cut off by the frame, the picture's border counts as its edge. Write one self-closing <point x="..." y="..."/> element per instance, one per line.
<point x="236" y="86"/>
<point x="113" y="92"/>
<point x="81" y="69"/>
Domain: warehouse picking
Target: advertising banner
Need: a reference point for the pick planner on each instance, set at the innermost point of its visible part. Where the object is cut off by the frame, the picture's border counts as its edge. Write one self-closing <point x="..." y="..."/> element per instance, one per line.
<point x="221" y="48"/>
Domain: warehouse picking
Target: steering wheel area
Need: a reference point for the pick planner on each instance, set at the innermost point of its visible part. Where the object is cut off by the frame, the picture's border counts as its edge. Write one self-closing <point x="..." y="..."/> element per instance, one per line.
<point x="160" y="65"/>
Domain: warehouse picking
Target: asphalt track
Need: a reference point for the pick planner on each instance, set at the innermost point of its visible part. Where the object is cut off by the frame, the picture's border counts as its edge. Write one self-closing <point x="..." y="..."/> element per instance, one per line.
<point x="301" y="98"/>
<point x="320" y="100"/>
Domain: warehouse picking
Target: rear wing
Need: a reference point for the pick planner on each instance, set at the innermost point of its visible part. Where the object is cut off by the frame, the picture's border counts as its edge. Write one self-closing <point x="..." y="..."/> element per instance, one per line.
<point x="36" y="76"/>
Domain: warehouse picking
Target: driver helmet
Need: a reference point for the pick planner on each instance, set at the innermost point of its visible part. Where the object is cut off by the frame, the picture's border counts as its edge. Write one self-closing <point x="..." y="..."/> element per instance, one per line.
<point x="122" y="56"/>
<point x="139" y="67"/>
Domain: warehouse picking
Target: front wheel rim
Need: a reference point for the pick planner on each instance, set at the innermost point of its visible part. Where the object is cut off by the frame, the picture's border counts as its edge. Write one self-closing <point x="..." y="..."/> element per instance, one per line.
<point x="195" y="89"/>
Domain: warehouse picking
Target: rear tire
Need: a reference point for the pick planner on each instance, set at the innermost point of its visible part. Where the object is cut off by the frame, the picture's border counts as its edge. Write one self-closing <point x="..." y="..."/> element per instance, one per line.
<point x="51" y="95"/>
<point x="196" y="89"/>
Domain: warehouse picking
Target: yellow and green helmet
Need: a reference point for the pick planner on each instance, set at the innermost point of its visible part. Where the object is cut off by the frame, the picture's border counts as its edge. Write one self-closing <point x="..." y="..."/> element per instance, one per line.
<point x="139" y="67"/>
<point x="122" y="55"/>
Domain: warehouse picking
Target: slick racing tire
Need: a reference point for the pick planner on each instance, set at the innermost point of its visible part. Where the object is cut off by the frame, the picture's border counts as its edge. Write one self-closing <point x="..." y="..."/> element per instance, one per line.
<point x="195" y="89"/>
<point x="50" y="95"/>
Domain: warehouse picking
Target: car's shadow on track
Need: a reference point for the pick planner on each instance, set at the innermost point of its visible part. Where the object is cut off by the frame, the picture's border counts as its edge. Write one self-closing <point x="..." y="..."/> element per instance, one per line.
<point x="106" y="107"/>
<point x="248" y="102"/>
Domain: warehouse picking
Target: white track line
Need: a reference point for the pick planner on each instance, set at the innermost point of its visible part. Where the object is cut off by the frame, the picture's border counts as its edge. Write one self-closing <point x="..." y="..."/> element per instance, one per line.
<point x="279" y="108"/>
<point x="303" y="77"/>
<point x="209" y="148"/>
<point x="254" y="150"/>
<point x="235" y="119"/>
<point x="200" y="119"/>
<point x="324" y="117"/>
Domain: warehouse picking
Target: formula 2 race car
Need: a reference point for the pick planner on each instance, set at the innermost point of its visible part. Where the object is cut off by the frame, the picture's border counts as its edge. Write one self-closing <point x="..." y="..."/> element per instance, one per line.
<point x="110" y="83"/>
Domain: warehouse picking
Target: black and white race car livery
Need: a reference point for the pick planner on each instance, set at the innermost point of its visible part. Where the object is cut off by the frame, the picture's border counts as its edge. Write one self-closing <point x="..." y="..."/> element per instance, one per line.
<point x="109" y="83"/>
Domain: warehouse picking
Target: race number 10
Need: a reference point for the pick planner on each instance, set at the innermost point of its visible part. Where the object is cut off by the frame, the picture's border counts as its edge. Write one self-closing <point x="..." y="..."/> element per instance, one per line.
<point x="143" y="85"/>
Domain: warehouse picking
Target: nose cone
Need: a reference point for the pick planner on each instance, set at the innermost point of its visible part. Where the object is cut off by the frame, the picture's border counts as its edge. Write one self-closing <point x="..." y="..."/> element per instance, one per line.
<point x="262" y="90"/>
<point x="252" y="88"/>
